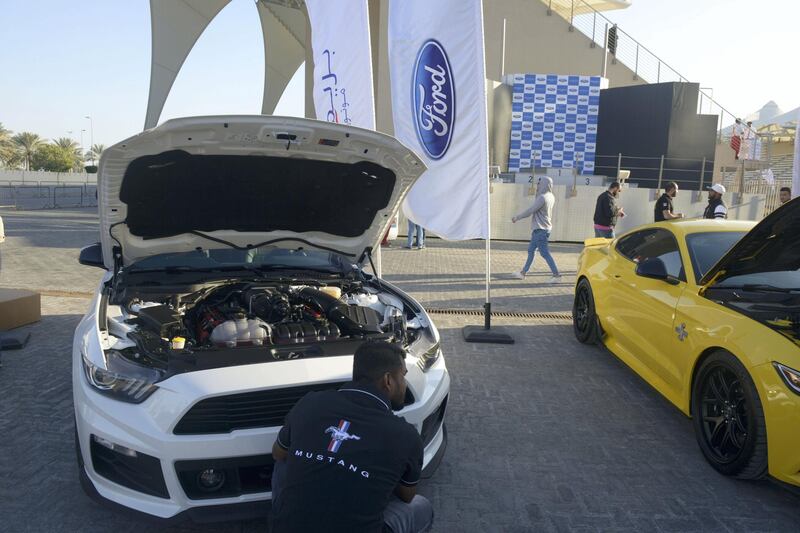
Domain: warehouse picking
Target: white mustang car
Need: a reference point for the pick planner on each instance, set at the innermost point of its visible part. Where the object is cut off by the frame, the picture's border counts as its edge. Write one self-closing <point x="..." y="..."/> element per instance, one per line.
<point x="233" y="248"/>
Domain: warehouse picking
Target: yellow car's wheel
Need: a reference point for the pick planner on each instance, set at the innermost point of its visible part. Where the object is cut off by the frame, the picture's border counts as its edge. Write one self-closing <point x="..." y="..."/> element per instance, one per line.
<point x="584" y="318"/>
<point x="728" y="417"/>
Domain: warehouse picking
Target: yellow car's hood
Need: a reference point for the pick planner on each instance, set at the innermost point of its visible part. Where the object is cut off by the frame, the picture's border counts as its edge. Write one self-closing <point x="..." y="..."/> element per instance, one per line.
<point x="773" y="245"/>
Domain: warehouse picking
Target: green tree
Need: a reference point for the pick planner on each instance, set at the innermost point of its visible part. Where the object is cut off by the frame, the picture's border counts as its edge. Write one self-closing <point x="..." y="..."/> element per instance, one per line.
<point x="53" y="158"/>
<point x="71" y="146"/>
<point x="27" y="143"/>
<point x="95" y="152"/>
<point x="7" y="147"/>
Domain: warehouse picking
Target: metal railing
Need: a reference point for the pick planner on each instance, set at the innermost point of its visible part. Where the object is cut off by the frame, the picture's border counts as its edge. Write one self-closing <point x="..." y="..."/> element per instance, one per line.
<point x="644" y="64"/>
<point x="44" y="195"/>
<point x="656" y="172"/>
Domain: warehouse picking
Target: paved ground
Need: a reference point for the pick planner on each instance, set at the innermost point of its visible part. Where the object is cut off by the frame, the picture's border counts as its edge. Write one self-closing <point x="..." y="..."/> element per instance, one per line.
<point x="545" y="435"/>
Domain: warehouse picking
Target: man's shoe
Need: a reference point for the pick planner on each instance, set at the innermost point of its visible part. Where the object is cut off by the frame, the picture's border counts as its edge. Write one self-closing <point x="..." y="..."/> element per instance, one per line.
<point x="518" y="275"/>
<point x="555" y="279"/>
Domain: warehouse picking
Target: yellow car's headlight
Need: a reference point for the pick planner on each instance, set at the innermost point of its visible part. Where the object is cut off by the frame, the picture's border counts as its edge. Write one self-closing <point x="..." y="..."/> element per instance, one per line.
<point x="790" y="376"/>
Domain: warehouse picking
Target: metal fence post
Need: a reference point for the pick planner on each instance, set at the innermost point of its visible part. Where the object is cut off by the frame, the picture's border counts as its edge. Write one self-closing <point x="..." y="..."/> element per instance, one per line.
<point x="658" y="73"/>
<point x="660" y="172"/>
<point x="703" y="174"/>
<point x="594" y="25"/>
<point x="549" y="8"/>
<point x="619" y="163"/>
<point x="636" y="67"/>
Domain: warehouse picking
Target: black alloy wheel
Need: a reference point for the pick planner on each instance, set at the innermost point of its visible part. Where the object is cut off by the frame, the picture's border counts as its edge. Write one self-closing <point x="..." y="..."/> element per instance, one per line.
<point x="728" y="418"/>
<point x="584" y="318"/>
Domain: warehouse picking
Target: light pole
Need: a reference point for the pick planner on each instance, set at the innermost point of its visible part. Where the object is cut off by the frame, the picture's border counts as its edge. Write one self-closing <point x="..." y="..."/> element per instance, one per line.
<point x="82" y="150"/>
<point x="91" y="136"/>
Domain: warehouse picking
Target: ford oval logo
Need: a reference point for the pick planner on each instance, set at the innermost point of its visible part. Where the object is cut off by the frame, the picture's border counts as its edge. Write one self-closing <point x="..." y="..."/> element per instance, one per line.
<point x="433" y="99"/>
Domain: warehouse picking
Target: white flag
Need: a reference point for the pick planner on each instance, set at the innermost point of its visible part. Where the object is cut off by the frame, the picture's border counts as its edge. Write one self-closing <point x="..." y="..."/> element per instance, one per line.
<point x="438" y="79"/>
<point x="342" y="62"/>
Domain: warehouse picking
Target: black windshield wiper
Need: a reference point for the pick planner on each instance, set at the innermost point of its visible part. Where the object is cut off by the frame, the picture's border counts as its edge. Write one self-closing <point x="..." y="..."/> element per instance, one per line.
<point x="761" y="287"/>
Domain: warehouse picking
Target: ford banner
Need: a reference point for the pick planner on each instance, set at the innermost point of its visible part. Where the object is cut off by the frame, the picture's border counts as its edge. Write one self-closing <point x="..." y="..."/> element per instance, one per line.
<point x="438" y="85"/>
<point x="342" y="62"/>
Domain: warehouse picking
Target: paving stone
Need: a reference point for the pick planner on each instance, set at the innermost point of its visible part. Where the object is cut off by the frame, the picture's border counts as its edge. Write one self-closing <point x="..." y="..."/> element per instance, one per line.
<point x="544" y="435"/>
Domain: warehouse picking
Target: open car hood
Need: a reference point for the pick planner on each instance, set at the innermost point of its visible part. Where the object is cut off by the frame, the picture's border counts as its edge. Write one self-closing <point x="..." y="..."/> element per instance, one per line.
<point x="250" y="180"/>
<point x="773" y="245"/>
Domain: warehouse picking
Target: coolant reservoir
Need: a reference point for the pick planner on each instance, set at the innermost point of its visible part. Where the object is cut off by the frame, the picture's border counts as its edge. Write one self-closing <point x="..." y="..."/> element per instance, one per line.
<point x="366" y="300"/>
<point x="241" y="331"/>
<point x="336" y="292"/>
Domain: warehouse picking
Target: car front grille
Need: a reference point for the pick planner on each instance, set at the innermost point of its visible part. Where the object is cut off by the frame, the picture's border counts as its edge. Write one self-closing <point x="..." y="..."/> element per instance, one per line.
<point x="223" y="414"/>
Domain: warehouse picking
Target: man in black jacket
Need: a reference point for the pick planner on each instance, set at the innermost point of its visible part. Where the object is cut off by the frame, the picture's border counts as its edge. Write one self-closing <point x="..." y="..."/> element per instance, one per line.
<point x="716" y="208"/>
<point x="606" y="212"/>
<point x="663" y="209"/>
<point x="344" y="462"/>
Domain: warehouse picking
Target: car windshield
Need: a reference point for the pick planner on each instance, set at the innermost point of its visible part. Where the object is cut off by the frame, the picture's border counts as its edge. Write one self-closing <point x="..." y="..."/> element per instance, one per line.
<point x="266" y="258"/>
<point x="705" y="249"/>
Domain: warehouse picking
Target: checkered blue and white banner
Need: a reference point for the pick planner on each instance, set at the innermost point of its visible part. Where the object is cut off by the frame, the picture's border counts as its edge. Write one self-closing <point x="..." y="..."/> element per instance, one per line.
<point x="554" y="121"/>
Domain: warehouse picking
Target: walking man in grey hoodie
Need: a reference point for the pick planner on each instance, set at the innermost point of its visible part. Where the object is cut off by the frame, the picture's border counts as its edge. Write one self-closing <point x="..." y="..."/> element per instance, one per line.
<point x="542" y="223"/>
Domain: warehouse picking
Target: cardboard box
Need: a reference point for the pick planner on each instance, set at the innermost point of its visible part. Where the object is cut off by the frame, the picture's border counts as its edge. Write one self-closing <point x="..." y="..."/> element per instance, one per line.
<point x="19" y="307"/>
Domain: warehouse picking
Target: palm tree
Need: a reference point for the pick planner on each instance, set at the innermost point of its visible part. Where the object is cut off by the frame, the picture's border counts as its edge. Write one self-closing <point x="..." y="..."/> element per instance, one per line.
<point x="6" y="145"/>
<point x="27" y="143"/>
<point x="70" y="146"/>
<point x="95" y="152"/>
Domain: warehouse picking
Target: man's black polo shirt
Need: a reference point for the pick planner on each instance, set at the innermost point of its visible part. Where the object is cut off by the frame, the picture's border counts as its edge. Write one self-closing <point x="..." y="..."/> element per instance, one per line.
<point x="664" y="203"/>
<point x="347" y="453"/>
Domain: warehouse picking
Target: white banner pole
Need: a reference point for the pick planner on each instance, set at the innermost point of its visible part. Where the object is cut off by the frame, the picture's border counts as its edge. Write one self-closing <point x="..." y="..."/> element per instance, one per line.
<point x="796" y="169"/>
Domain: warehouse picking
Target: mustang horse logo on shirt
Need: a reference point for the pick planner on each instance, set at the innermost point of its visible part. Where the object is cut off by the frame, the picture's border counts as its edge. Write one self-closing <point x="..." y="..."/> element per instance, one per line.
<point x="339" y="434"/>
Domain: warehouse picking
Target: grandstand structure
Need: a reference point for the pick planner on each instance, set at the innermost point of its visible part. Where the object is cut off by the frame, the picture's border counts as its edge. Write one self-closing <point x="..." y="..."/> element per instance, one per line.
<point x="567" y="37"/>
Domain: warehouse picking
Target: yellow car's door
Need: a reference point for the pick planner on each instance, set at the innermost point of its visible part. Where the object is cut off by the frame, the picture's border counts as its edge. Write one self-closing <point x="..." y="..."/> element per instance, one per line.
<point x="645" y="303"/>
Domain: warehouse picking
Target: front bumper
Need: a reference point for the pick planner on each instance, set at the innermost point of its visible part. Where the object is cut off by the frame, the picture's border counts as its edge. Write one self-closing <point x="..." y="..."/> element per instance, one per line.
<point x="147" y="429"/>
<point x="782" y="413"/>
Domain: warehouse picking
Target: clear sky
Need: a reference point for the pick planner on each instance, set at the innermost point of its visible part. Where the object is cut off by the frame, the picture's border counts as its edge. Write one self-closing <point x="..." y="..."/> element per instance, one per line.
<point x="62" y="60"/>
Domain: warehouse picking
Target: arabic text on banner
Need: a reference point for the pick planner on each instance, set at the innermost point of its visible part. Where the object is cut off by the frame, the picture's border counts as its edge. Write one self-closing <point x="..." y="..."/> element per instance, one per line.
<point x="342" y="62"/>
<point x="437" y="71"/>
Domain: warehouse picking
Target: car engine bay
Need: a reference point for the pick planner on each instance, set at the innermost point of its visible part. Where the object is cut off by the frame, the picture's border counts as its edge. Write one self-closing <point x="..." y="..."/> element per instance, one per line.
<point x="236" y="322"/>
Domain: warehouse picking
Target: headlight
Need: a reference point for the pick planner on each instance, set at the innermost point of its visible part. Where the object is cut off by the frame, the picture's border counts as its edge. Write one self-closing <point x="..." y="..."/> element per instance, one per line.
<point x="426" y="359"/>
<point x="790" y="376"/>
<point x="122" y="379"/>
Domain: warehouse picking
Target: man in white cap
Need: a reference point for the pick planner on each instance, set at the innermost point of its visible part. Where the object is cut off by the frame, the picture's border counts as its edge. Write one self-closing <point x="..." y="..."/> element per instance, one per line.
<point x="716" y="208"/>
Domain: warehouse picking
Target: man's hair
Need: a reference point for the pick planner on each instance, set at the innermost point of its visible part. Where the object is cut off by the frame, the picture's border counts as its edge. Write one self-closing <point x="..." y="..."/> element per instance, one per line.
<point x="374" y="358"/>
<point x="671" y="186"/>
<point x="786" y="189"/>
<point x="614" y="185"/>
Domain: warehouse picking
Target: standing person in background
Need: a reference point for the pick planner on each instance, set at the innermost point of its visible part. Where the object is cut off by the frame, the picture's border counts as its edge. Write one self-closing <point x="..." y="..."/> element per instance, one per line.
<point x="420" y="233"/>
<point x="785" y="196"/>
<point x="716" y="208"/>
<point x="664" y="209"/>
<point x="542" y="223"/>
<point x="606" y="212"/>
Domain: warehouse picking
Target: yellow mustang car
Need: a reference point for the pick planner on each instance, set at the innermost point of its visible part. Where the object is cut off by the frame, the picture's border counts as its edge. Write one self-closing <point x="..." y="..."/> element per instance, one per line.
<point x="708" y="313"/>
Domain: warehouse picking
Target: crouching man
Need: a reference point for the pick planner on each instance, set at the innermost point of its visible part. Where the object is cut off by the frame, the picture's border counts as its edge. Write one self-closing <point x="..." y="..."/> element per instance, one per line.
<point x="345" y="462"/>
